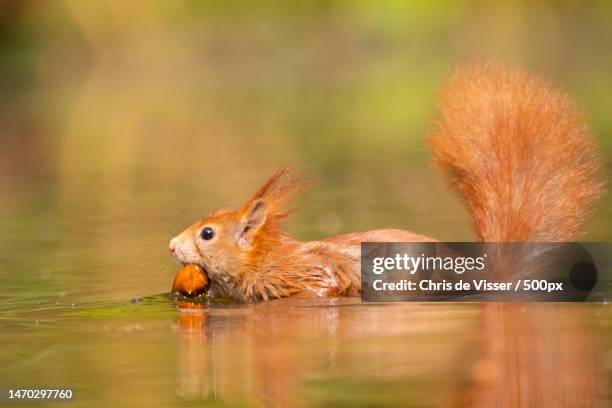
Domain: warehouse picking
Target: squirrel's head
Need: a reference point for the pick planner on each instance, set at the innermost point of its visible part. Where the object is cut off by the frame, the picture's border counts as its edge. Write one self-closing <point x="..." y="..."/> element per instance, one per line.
<point x="229" y="243"/>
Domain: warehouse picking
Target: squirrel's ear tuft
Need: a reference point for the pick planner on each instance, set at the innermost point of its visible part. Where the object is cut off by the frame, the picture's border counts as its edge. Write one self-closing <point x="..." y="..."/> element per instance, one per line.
<point x="276" y="194"/>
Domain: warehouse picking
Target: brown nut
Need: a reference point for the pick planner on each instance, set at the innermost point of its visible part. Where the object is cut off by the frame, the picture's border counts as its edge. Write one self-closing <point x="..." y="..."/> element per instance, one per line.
<point x="190" y="281"/>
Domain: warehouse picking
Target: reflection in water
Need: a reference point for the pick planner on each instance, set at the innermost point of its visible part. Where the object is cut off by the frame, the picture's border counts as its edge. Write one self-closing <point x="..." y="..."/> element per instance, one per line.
<point x="338" y="352"/>
<point x="304" y="352"/>
<point x="537" y="355"/>
<point x="194" y="380"/>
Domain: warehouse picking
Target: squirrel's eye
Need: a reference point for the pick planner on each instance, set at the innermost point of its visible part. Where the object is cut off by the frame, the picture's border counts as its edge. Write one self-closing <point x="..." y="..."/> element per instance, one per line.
<point x="207" y="233"/>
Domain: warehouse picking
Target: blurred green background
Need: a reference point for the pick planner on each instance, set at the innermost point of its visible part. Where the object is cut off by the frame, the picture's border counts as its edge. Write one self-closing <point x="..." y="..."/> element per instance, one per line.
<point x="121" y="122"/>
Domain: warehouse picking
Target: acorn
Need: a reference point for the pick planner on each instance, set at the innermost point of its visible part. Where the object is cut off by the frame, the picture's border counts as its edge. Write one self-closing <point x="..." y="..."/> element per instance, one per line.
<point x="190" y="281"/>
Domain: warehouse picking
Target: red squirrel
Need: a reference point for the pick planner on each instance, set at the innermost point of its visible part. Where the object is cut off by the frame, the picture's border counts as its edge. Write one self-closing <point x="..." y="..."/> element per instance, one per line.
<point x="519" y="153"/>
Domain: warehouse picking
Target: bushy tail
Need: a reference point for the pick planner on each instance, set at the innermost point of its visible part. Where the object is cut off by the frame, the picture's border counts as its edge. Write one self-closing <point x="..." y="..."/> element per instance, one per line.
<point x="519" y="152"/>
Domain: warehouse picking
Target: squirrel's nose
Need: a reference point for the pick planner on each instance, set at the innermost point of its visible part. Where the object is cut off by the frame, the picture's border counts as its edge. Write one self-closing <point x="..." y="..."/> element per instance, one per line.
<point x="173" y="244"/>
